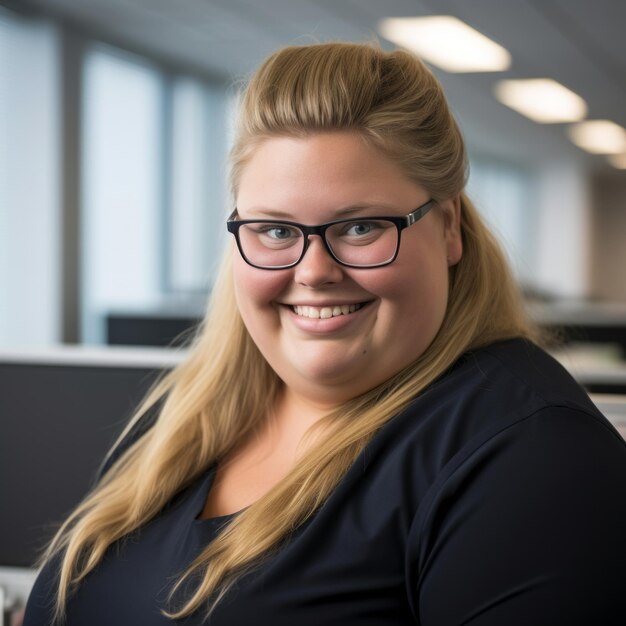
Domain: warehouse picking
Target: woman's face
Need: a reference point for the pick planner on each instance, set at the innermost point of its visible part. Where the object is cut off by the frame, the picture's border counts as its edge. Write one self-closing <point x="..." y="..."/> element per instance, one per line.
<point x="400" y="307"/>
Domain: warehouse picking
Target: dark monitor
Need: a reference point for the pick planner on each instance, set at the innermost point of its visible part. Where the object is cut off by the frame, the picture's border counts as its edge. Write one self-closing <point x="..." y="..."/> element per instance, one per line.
<point x="59" y="415"/>
<point x="135" y="329"/>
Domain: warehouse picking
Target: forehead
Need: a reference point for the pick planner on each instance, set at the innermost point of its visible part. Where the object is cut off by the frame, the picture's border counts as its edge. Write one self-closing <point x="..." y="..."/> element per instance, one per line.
<point x="321" y="172"/>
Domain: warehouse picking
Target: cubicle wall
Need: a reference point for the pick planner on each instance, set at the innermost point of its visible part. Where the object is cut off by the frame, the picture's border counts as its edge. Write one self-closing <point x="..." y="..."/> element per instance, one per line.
<point x="60" y="411"/>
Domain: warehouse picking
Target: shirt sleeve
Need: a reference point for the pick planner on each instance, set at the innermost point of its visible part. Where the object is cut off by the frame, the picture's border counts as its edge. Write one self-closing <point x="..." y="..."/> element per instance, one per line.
<point x="529" y="529"/>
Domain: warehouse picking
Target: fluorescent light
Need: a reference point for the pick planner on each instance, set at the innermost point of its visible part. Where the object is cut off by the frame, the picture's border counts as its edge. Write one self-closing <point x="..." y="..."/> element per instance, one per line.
<point x="447" y="43"/>
<point x="599" y="137"/>
<point x="618" y="161"/>
<point x="543" y="100"/>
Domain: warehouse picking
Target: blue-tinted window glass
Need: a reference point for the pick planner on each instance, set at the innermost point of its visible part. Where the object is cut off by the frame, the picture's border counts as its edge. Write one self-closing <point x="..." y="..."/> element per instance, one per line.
<point x="122" y="197"/>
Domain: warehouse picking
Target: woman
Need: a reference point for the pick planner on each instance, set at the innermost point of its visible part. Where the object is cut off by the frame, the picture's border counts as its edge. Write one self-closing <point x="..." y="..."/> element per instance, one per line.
<point x="364" y="432"/>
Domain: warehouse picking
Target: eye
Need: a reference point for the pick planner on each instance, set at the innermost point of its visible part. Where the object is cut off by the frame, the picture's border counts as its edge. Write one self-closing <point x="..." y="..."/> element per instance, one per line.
<point x="274" y="236"/>
<point x="279" y="232"/>
<point x="363" y="229"/>
<point x="359" y="229"/>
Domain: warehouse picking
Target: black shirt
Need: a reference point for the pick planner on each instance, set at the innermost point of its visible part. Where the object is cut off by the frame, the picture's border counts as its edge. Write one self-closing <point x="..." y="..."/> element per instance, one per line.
<point x="496" y="498"/>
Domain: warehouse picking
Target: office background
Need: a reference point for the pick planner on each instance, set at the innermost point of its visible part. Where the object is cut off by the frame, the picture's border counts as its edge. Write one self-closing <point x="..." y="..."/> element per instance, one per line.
<point x="115" y="120"/>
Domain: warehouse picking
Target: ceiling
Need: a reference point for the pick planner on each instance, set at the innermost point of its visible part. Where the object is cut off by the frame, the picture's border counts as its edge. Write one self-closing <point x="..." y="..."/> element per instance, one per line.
<point x="580" y="43"/>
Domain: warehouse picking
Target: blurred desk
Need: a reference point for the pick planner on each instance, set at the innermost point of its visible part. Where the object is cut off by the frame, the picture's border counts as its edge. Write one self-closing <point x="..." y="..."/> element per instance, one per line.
<point x="590" y="341"/>
<point x="598" y="368"/>
<point x="584" y="322"/>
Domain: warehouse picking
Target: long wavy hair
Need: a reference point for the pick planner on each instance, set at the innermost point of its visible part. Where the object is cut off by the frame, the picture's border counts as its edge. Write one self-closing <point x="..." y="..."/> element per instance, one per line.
<point x="225" y="388"/>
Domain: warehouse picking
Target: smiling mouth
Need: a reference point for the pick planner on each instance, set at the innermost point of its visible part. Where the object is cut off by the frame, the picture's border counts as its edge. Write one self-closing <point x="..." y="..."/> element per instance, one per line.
<point x="326" y="312"/>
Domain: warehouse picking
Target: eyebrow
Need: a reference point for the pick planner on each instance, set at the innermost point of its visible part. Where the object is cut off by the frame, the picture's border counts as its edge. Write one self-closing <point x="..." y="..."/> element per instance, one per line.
<point x="344" y="211"/>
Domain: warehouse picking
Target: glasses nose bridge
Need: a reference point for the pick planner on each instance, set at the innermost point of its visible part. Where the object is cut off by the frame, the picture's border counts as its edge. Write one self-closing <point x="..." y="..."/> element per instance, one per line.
<point x="319" y="231"/>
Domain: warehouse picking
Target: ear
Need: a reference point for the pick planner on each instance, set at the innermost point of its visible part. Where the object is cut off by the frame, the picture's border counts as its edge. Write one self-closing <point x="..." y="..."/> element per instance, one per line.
<point x="452" y="229"/>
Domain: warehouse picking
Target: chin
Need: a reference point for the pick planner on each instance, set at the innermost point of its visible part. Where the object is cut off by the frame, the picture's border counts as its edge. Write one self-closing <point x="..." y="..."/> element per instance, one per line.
<point x="330" y="383"/>
<point x="328" y="363"/>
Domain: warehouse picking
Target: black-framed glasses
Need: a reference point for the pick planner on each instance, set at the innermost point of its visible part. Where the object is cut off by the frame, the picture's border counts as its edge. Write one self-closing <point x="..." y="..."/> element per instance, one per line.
<point x="361" y="242"/>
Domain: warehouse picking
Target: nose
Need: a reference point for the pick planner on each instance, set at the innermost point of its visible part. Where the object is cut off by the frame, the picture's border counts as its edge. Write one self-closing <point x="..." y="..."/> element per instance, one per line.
<point x="317" y="267"/>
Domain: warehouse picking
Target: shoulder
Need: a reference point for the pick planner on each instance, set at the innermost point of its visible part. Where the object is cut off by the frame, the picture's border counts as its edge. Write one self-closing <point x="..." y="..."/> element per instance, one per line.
<point x="509" y="422"/>
<point x="528" y="518"/>
<point x="518" y="367"/>
<point x="496" y="387"/>
<point x="510" y="399"/>
<point x="524" y="493"/>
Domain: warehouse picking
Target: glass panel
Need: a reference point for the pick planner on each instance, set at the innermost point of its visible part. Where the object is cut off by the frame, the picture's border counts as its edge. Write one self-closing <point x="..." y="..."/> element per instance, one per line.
<point x="30" y="263"/>
<point x="121" y="212"/>
<point x="198" y="209"/>
<point x="504" y="194"/>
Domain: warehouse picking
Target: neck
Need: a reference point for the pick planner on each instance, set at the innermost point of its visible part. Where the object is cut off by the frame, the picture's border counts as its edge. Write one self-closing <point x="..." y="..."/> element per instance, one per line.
<point x="293" y="416"/>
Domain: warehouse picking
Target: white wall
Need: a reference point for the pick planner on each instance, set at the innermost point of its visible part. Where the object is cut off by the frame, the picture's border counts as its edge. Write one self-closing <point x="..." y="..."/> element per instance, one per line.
<point x="563" y="229"/>
<point x="609" y="237"/>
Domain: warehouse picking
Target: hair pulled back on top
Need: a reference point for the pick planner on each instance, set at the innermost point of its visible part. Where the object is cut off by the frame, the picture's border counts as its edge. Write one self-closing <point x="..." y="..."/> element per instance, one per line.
<point x="211" y="402"/>
<point x="390" y="98"/>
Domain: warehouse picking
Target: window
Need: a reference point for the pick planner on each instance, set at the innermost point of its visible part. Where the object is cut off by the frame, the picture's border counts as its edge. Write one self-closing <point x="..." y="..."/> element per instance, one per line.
<point x="504" y="195"/>
<point x="153" y="189"/>
<point x="30" y="263"/>
<point x="122" y="194"/>
<point x="198" y="211"/>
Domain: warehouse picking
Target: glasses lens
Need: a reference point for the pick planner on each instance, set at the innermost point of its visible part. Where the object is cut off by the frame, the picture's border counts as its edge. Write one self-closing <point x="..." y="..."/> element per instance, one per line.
<point x="271" y="244"/>
<point x="363" y="242"/>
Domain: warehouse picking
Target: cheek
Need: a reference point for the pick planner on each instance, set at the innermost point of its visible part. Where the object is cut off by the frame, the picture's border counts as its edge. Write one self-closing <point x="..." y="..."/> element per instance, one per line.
<point x="423" y="269"/>
<point x="416" y="298"/>
<point x="412" y="278"/>
<point x="413" y="294"/>
<point x="256" y="289"/>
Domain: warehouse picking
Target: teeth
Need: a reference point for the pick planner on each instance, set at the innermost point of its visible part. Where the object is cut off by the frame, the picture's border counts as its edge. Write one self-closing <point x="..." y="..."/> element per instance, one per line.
<point x="325" y="312"/>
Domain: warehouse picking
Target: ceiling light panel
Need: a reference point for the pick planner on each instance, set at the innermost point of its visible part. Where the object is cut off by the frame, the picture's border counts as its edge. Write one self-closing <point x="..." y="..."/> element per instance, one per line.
<point x="543" y="100"/>
<point x="446" y="42"/>
<point x="599" y="137"/>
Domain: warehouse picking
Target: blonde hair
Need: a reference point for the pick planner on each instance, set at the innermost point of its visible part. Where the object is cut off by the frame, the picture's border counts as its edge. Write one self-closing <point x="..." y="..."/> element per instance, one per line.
<point x="225" y="387"/>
